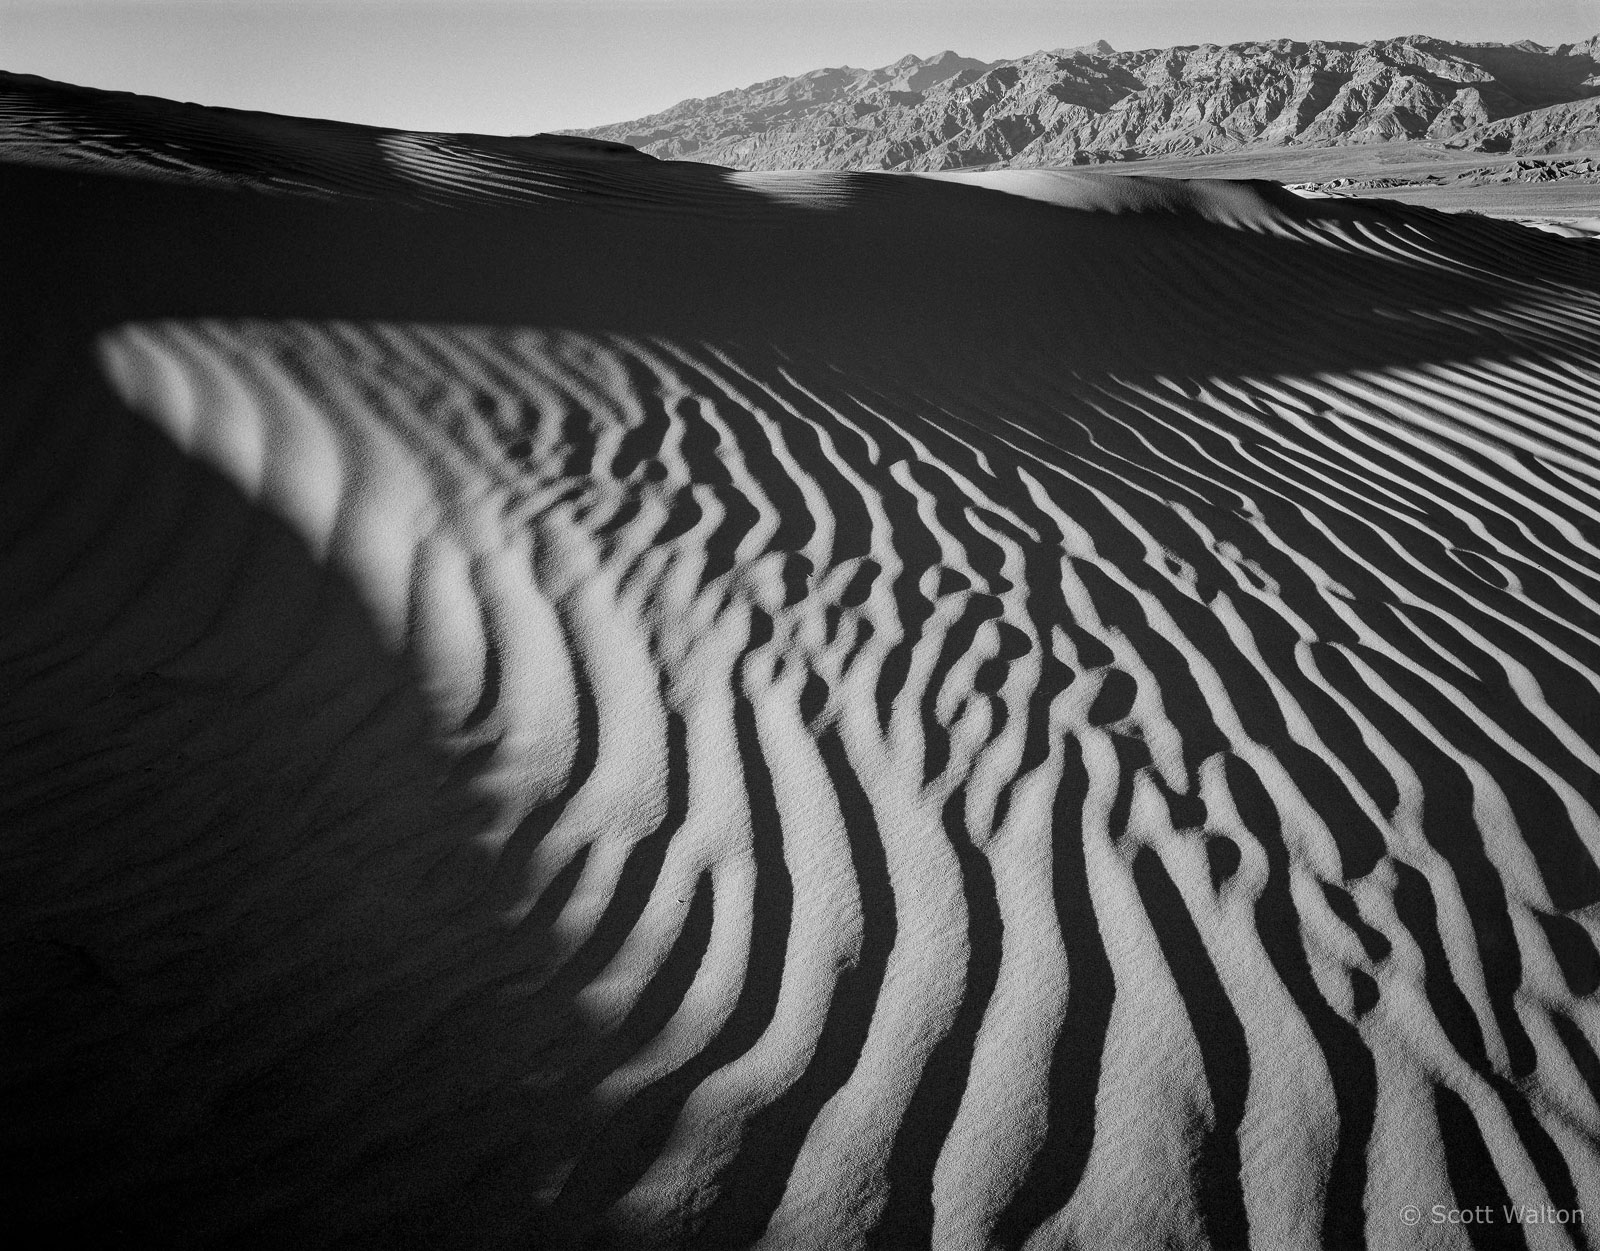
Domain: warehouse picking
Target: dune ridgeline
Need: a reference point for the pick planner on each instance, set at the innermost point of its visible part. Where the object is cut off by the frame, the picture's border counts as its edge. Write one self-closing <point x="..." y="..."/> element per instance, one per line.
<point x="557" y="699"/>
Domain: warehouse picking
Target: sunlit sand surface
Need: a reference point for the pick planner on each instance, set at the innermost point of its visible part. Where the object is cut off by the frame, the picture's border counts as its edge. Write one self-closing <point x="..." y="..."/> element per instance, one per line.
<point x="559" y="700"/>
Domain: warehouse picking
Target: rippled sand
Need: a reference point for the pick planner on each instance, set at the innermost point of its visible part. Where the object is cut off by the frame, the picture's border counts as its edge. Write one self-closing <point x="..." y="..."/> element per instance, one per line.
<point x="560" y="700"/>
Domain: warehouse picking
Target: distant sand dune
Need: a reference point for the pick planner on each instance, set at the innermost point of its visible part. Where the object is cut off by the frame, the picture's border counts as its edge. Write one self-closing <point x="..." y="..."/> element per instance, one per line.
<point x="555" y="700"/>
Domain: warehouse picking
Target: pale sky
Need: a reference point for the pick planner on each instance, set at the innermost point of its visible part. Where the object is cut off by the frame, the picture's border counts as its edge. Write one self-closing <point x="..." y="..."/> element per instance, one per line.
<point x="519" y="66"/>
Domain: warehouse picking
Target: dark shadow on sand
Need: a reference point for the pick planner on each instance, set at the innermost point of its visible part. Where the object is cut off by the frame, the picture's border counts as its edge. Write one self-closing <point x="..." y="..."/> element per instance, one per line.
<point x="255" y="977"/>
<point x="148" y="1100"/>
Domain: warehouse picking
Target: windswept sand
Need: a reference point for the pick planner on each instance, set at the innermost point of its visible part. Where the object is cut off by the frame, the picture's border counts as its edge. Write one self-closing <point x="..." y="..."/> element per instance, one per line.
<point x="557" y="700"/>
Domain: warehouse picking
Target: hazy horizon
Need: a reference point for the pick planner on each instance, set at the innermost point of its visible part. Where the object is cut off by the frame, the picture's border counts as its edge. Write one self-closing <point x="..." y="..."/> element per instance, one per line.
<point x="517" y="66"/>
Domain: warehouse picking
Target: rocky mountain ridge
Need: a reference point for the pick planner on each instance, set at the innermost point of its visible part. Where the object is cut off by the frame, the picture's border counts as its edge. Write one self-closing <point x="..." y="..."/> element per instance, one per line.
<point x="1089" y="105"/>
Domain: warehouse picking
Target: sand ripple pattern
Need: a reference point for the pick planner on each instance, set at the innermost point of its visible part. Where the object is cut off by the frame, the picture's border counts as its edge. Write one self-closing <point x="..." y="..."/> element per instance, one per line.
<point x="1069" y="810"/>
<point x="555" y="699"/>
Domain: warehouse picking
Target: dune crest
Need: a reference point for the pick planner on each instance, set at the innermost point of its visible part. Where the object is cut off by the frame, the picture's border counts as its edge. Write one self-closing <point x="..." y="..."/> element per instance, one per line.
<point x="752" y="723"/>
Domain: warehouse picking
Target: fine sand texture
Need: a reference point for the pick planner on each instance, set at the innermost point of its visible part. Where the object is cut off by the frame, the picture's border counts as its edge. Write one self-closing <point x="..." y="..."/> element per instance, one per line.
<point x="555" y="700"/>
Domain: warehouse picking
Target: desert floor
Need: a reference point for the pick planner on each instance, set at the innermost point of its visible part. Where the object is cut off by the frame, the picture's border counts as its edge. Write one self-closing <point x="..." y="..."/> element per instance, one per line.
<point x="1542" y="188"/>
<point x="558" y="700"/>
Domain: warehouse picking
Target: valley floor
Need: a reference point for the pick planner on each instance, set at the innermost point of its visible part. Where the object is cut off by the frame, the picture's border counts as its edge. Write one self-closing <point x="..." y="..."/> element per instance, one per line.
<point x="559" y="700"/>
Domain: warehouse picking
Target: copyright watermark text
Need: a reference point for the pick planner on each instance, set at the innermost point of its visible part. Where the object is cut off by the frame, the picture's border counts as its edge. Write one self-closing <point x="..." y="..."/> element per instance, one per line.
<point x="1485" y="1214"/>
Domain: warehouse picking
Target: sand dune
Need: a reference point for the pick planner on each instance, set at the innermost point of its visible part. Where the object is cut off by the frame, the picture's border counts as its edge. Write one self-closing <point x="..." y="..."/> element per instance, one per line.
<point x="560" y="700"/>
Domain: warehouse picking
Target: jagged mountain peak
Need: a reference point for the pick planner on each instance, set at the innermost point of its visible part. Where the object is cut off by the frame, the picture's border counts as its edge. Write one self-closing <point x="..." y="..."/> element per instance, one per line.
<point x="1077" y="106"/>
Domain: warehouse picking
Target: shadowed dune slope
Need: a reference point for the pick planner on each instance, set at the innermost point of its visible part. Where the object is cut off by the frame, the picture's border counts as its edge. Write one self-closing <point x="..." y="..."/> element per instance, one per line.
<point x="554" y="699"/>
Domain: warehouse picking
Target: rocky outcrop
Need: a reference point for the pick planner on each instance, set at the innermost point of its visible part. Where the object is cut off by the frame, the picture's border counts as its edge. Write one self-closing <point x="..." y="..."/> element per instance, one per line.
<point x="1571" y="127"/>
<point x="1568" y="170"/>
<point x="1093" y="104"/>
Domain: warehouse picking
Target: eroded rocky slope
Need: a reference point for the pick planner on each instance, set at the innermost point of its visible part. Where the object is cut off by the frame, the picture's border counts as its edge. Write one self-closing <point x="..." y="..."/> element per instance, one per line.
<point x="1093" y="104"/>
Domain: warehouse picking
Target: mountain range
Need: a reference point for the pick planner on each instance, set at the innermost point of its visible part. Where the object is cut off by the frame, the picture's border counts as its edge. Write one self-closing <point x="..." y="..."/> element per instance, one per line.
<point x="554" y="698"/>
<point x="1093" y="104"/>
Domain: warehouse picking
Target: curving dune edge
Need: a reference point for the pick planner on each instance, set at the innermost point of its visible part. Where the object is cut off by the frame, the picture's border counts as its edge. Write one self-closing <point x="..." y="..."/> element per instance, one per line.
<point x="559" y="700"/>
